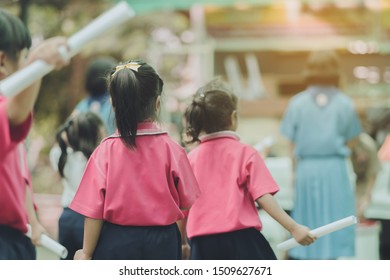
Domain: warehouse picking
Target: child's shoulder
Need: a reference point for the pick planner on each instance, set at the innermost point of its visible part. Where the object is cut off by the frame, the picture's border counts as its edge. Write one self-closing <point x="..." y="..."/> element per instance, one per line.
<point x="249" y="149"/>
<point x="173" y="142"/>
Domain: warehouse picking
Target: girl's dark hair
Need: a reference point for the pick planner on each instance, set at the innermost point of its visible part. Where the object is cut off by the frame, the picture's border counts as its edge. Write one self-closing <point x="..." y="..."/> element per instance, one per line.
<point x="82" y="133"/>
<point x="322" y="68"/>
<point x="96" y="75"/>
<point x="134" y="87"/>
<point x="210" y="110"/>
<point x="14" y="35"/>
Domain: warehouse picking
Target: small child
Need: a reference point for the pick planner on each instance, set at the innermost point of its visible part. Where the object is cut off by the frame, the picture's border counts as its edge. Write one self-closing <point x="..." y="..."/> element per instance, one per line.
<point x="137" y="182"/>
<point x="76" y="140"/>
<point x="224" y="223"/>
<point x="17" y="207"/>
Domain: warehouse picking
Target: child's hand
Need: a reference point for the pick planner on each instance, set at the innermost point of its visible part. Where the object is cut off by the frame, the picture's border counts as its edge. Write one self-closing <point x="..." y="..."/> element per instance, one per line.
<point x="80" y="255"/>
<point x="36" y="231"/>
<point x="302" y="235"/>
<point x="48" y="51"/>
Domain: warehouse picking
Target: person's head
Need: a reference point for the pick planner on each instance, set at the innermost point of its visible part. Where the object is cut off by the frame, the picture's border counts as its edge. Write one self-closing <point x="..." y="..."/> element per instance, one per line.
<point x="15" y="40"/>
<point x="322" y="68"/>
<point x="135" y="89"/>
<point x="81" y="132"/>
<point x="96" y="75"/>
<point x="213" y="108"/>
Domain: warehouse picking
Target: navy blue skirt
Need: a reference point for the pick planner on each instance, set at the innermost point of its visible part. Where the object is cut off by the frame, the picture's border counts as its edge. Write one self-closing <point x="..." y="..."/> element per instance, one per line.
<point x="71" y="231"/>
<point x="246" y="244"/>
<point x="118" y="242"/>
<point x="14" y="245"/>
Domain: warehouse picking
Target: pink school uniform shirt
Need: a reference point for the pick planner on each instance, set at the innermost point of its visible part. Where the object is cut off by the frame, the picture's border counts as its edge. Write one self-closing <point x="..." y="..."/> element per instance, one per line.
<point x="14" y="175"/>
<point x="142" y="187"/>
<point x="231" y="176"/>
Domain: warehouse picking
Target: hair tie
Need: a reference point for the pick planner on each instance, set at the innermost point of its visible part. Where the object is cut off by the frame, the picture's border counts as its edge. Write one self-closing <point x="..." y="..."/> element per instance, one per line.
<point x="200" y="100"/>
<point x="131" y="65"/>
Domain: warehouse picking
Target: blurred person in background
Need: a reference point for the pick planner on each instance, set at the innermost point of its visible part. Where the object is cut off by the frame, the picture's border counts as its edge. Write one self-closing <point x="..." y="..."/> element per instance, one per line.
<point x="384" y="240"/>
<point x="98" y="98"/>
<point x="76" y="139"/>
<point x="322" y="125"/>
<point x="366" y="166"/>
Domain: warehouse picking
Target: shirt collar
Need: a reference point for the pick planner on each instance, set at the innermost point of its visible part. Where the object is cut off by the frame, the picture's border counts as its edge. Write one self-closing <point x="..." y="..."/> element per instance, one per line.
<point x="148" y="128"/>
<point x="219" y="134"/>
<point x="315" y="89"/>
<point x="144" y="128"/>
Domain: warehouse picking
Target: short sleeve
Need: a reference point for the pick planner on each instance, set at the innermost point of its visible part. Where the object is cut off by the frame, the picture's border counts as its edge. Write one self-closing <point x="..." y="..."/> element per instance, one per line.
<point x="90" y="195"/>
<point x="10" y="137"/>
<point x="259" y="179"/>
<point x="5" y="137"/>
<point x="187" y="185"/>
<point x="289" y="123"/>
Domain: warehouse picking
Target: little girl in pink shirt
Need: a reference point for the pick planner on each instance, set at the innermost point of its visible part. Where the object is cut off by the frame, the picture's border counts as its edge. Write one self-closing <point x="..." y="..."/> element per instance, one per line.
<point x="138" y="183"/>
<point x="224" y="223"/>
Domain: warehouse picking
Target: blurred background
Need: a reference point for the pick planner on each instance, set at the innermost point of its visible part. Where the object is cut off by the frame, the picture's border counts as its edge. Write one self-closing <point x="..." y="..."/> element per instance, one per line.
<point x="259" y="46"/>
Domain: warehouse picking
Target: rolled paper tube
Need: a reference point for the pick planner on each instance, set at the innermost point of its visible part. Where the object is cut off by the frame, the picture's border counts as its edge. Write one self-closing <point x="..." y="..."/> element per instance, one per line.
<point x="50" y="244"/>
<point x="20" y="80"/>
<point x="321" y="231"/>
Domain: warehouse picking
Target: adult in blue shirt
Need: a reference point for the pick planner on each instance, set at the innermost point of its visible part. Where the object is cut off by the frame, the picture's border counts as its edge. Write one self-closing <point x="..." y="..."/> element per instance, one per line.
<point x="322" y="124"/>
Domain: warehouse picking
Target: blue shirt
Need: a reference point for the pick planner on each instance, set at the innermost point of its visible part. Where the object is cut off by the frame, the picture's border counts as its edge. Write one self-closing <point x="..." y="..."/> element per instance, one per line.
<point x="100" y="105"/>
<point x="320" y="130"/>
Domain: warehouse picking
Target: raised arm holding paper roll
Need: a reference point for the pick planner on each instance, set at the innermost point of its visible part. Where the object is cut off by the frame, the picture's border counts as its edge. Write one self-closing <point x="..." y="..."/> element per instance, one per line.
<point x="16" y="201"/>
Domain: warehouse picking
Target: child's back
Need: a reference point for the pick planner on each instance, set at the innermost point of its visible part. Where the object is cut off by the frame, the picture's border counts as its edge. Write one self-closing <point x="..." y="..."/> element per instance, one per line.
<point x="138" y="181"/>
<point x="224" y="222"/>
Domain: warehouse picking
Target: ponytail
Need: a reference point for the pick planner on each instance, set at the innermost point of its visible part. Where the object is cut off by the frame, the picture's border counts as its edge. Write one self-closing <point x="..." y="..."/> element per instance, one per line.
<point x="211" y="110"/>
<point x="133" y="87"/>
<point x="124" y="91"/>
<point x="82" y="133"/>
<point x="195" y="116"/>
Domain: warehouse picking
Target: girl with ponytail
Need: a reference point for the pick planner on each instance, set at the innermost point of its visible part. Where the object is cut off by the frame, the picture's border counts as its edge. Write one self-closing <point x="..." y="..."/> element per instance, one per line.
<point x="223" y="222"/>
<point x="138" y="183"/>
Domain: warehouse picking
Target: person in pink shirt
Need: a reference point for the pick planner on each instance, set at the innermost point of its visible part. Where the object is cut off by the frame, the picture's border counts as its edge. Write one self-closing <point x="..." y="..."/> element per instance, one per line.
<point x="224" y="223"/>
<point x="17" y="207"/>
<point x="138" y="183"/>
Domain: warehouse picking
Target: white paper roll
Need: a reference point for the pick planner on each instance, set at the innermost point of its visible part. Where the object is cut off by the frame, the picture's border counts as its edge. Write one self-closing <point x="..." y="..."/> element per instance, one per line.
<point x="50" y="244"/>
<point x="321" y="231"/>
<point x="20" y="80"/>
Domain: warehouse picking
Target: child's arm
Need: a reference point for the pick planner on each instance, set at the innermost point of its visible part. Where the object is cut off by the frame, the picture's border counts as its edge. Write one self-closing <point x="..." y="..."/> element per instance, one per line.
<point x="36" y="228"/>
<point x="92" y="229"/>
<point x="20" y="106"/>
<point x="300" y="233"/>
<point x="185" y="248"/>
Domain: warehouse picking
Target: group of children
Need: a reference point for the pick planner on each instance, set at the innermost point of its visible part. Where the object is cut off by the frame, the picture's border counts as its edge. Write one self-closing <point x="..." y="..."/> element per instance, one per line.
<point x="202" y="198"/>
<point x="140" y="195"/>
